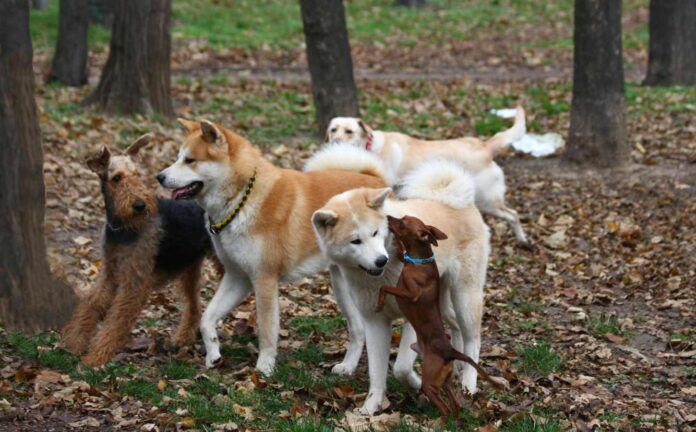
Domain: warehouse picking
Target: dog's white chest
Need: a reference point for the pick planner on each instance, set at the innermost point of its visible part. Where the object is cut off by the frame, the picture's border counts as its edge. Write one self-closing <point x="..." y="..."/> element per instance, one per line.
<point x="238" y="251"/>
<point x="310" y="266"/>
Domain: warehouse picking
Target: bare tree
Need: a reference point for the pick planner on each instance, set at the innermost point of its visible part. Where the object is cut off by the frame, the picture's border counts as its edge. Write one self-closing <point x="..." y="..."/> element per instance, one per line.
<point x="329" y="58"/>
<point x="597" y="133"/>
<point x="29" y="297"/>
<point x="136" y="76"/>
<point x="672" y="50"/>
<point x="70" y="60"/>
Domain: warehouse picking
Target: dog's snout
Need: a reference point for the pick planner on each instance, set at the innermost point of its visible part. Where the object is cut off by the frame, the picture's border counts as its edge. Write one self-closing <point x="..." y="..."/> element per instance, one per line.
<point x="381" y="261"/>
<point x="161" y="178"/>
<point x="139" y="206"/>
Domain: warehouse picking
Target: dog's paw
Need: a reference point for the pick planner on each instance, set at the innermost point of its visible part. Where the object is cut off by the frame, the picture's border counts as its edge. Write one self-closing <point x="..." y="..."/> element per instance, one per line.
<point x="372" y="405"/>
<point x="213" y="361"/>
<point x="344" y="369"/>
<point x="95" y="360"/>
<point x="265" y="364"/>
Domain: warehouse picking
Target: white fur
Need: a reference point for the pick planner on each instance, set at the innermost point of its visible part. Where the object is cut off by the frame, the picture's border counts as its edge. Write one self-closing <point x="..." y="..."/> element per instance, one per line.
<point x="439" y="180"/>
<point x="345" y="157"/>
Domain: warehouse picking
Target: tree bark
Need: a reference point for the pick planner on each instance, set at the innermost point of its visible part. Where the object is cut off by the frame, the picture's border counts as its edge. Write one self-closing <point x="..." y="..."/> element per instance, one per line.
<point x="329" y="58"/>
<point x="672" y="48"/>
<point x="39" y="4"/>
<point x="136" y="77"/>
<point x="410" y="3"/>
<point x="70" y="60"/>
<point x="29" y="298"/>
<point x="597" y="133"/>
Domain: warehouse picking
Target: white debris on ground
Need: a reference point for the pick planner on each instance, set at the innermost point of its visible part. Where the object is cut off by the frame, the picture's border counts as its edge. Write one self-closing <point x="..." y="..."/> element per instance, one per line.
<point x="533" y="144"/>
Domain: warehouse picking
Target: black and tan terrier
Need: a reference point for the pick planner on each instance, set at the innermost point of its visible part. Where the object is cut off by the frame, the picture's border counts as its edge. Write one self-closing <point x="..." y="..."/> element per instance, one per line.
<point x="147" y="243"/>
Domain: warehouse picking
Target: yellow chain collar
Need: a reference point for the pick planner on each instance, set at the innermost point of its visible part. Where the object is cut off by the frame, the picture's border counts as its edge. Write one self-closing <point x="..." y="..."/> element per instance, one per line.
<point x="215" y="228"/>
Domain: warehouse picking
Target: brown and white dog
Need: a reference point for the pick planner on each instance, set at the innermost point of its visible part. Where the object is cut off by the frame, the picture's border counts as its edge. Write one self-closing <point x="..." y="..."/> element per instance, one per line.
<point x="260" y="219"/>
<point x="401" y="153"/>
<point x="353" y="233"/>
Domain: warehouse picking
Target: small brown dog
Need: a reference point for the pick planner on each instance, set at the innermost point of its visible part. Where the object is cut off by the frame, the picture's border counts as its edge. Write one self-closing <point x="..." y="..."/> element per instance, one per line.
<point x="147" y="243"/>
<point x="418" y="296"/>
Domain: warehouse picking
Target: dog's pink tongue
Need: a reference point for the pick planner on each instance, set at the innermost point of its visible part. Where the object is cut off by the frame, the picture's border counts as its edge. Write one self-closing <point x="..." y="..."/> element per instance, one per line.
<point x="177" y="193"/>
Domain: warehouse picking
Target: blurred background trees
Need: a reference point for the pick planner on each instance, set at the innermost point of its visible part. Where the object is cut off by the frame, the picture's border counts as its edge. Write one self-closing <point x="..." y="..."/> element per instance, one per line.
<point x="70" y="59"/>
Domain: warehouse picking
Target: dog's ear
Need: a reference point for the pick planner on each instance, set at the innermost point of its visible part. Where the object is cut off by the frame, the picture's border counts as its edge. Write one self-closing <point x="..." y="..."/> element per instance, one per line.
<point x="189" y="125"/>
<point x="365" y="127"/>
<point x="209" y="132"/>
<point x="99" y="162"/>
<point x="324" y="219"/>
<point x="141" y="142"/>
<point x="432" y="235"/>
<point x="376" y="198"/>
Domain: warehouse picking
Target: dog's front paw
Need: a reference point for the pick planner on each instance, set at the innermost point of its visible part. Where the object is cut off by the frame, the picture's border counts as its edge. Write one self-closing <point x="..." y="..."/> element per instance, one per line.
<point x="372" y="405"/>
<point x="213" y="360"/>
<point x="344" y="369"/>
<point x="266" y="364"/>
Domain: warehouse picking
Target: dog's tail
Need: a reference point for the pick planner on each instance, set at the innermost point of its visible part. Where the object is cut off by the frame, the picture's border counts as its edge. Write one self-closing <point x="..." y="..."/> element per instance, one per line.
<point x="495" y="381"/>
<point x="439" y="180"/>
<point x="508" y="136"/>
<point x="347" y="157"/>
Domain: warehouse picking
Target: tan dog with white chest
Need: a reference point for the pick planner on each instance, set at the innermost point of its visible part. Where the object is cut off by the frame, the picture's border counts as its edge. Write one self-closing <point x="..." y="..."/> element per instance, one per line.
<point x="260" y="220"/>
<point x="401" y="153"/>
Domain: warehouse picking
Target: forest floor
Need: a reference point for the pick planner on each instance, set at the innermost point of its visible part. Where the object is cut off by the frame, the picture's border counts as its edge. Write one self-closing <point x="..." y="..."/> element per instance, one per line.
<point x="595" y="326"/>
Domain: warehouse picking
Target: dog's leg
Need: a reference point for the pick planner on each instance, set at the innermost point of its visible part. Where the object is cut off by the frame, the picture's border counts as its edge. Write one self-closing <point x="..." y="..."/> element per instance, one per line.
<point x="268" y="319"/>
<point x="512" y="218"/>
<point x="356" y="330"/>
<point x="468" y="303"/>
<point x="190" y="293"/>
<point x="395" y="291"/>
<point x="378" y="338"/>
<point x="233" y="289"/>
<point x="78" y="332"/>
<point x="403" y="366"/>
<point x="119" y="321"/>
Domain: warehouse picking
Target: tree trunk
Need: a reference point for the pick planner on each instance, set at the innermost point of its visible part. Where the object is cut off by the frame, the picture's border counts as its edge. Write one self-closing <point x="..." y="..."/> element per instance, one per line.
<point x="672" y="51"/>
<point x="329" y="58"/>
<point x="597" y="133"/>
<point x="29" y="298"/>
<point x="135" y="79"/>
<point x="70" y="60"/>
<point x="159" y="47"/>
<point x="410" y="3"/>
<point x="39" y="4"/>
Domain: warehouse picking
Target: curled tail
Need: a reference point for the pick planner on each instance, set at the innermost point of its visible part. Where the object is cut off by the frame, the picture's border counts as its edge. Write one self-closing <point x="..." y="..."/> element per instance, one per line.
<point x="508" y="136"/>
<point x="346" y="157"/>
<point x="439" y="180"/>
<point x="456" y="355"/>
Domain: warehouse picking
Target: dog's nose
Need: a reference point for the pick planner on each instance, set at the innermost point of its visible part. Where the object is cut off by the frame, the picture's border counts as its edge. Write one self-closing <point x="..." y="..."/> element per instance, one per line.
<point x="161" y="178"/>
<point x="381" y="261"/>
<point x="139" y="206"/>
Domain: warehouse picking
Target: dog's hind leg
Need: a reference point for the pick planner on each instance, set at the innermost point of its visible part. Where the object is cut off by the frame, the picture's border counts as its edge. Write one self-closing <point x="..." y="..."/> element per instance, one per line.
<point x="119" y="321"/>
<point x="190" y="293"/>
<point x="78" y="332"/>
<point x="233" y="289"/>
<point x="403" y="366"/>
<point x="512" y="218"/>
<point x="356" y="329"/>
<point x="268" y="319"/>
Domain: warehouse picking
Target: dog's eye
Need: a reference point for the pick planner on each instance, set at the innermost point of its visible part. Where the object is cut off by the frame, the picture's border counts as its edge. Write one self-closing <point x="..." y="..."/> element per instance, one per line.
<point x="349" y="132"/>
<point x="375" y="233"/>
<point x="116" y="178"/>
<point x="189" y="161"/>
<point x="356" y="241"/>
<point x="333" y="130"/>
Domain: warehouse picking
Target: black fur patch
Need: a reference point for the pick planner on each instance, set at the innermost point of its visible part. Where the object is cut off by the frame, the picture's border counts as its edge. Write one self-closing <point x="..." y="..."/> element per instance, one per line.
<point x="185" y="239"/>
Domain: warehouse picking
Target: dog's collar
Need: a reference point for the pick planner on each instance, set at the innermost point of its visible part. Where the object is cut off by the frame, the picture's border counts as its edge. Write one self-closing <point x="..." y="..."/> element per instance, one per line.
<point x="409" y="259"/>
<point x="215" y="228"/>
<point x="368" y="144"/>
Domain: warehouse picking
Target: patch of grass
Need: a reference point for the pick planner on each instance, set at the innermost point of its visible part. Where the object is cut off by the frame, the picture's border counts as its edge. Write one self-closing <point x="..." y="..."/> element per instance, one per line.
<point x="605" y="325"/>
<point x="293" y="377"/>
<point x="208" y="411"/>
<point x="527" y="424"/>
<point x="303" y="326"/>
<point x="58" y="359"/>
<point x="177" y="370"/>
<point x="538" y="357"/>
<point x="312" y="354"/>
<point x="490" y="124"/>
<point x="542" y="100"/>
<point x="526" y="308"/>
<point x="141" y="388"/>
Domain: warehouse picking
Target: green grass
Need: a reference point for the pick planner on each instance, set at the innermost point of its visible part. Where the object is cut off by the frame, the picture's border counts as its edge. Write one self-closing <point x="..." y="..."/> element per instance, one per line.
<point x="538" y="358"/>
<point x="527" y="424"/>
<point x="304" y="326"/>
<point x="606" y="325"/>
<point x="177" y="370"/>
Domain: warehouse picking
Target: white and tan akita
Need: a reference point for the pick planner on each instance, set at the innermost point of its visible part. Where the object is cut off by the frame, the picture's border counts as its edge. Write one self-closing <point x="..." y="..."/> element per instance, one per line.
<point x="352" y="231"/>
<point x="260" y="220"/>
<point x="401" y="153"/>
